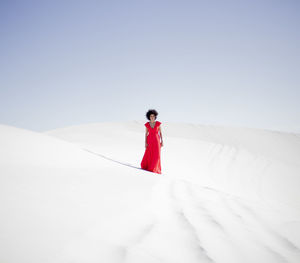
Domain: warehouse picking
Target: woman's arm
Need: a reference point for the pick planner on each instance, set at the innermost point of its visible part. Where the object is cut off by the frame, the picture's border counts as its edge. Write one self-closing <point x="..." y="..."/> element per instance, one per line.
<point x="161" y="138"/>
<point x="146" y="137"/>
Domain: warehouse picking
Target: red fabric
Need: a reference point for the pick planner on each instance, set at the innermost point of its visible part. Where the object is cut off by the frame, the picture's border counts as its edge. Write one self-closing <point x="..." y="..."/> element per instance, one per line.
<point x="151" y="158"/>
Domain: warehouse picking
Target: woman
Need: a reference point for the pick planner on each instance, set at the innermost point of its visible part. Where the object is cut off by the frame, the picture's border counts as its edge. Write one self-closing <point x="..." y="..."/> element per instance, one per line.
<point x="153" y="135"/>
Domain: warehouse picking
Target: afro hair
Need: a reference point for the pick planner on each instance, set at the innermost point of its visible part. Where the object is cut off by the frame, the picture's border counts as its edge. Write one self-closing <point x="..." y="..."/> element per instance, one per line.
<point x="151" y="111"/>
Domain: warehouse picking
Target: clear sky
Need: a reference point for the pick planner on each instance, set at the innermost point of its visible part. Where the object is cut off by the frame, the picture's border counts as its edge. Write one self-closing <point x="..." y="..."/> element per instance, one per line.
<point x="66" y="63"/>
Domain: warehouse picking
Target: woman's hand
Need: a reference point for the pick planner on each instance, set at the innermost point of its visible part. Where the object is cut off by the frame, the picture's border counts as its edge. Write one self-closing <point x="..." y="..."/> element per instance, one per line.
<point x="161" y="144"/>
<point x="146" y="144"/>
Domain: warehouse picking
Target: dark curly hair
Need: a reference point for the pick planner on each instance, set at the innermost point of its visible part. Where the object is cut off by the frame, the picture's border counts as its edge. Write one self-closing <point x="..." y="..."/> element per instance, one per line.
<point x="151" y="111"/>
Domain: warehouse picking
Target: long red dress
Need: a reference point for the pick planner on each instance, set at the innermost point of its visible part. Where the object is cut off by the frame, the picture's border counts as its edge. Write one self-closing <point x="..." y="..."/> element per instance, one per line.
<point x="151" y="158"/>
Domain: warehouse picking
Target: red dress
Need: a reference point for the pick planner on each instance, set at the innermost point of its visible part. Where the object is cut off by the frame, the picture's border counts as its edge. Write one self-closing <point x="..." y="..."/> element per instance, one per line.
<point x="151" y="158"/>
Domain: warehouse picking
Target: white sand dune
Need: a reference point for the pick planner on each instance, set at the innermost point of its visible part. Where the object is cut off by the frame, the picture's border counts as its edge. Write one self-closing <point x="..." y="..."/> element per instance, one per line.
<point x="77" y="194"/>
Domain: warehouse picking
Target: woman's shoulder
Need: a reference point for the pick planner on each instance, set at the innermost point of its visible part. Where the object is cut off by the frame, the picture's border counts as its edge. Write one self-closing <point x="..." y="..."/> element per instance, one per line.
<point x="147" y="123"/>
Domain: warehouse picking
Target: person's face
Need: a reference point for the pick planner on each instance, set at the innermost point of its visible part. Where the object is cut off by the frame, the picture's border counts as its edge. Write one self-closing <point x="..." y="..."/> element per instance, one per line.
<point x="152" y="117"/>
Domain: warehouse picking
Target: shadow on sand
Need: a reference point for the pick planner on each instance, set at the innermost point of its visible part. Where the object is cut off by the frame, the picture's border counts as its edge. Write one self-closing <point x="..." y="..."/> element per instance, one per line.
<point x="127" y="164"/>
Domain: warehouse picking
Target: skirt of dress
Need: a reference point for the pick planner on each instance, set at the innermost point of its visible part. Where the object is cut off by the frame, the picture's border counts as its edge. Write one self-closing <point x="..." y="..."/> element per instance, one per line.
<point x="151" y="159"/>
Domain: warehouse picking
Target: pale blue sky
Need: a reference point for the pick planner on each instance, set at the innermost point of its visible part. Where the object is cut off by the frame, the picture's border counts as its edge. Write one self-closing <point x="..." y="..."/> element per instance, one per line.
<point x="67" y="63"/>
